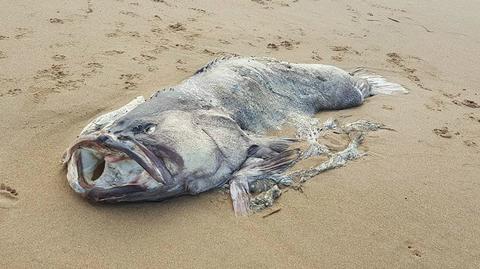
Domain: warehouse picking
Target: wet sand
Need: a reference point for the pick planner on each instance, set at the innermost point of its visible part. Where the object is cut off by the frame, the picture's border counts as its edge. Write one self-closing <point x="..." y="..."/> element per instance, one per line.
<point x="413" y="202"/>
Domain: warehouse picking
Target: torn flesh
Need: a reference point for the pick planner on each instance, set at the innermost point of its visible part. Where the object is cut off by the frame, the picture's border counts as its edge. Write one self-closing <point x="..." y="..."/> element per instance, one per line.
<point x="310" y="132"/>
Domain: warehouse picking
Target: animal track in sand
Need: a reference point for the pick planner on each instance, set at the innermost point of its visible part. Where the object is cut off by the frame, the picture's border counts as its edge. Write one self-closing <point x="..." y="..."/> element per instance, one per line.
<point x="113" y="52"/>
<point x="209" y="52"/>
<point x="396" y="59"/>
<point x="181" y="66"/>
<point x="157" y="31"/>
<point x="55" y="79"/>
<point x="162" y="1"/>
<point x="191" y="37"/>
<point x="388" y="8"/>
<point x="387" y="107"/>
<point x="438" y="105"/>
<point x="177" y="27"/>
<point x="22" y="32"/>
<point x="342" y="51"/>
<point x="59" y="57"/>
<point x="184" y="46"/>
<point x="354" y="13"/>
<point x="120" y="33"/>
<point x="225" y="42"/>
<point x="470" y="143"/>
<point x="198" y="10"/>
<point x="93" y="67"/>
<point x="267" y="4"/>
<point x="54" y="72"/>
<point x="316" y="56"/>
<point x="143" y="58"/>
<point x="3" y="55"/>
<point x="56" y="21"/>
<point x="129" y="13"/>
<point x="129" y="80"/>
<point x="8" y="196"/>
<point x="474" y="117"/>
<point x="443" y="132"/>
<point x="158" y="49"/>
<point x="287" y="44"/>
<point x="467" y="103"/>
<point x="12" y="92"/>
<point x="414" y="250"/>
<point x="89" y="7"/>
<point x="151" y="68"/>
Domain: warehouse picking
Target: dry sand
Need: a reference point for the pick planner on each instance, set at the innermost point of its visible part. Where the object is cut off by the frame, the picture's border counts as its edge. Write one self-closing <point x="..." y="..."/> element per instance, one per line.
<point x="413" y="202"/>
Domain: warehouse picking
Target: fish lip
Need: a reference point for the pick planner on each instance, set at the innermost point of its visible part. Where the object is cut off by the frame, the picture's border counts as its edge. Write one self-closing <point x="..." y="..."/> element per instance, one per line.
<point x="139" y="153"/>
<point x="105" y="196"/>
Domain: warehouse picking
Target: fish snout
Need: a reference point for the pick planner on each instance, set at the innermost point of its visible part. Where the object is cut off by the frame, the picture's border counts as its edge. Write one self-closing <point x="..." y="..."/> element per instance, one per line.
<point x="105" y="167"/>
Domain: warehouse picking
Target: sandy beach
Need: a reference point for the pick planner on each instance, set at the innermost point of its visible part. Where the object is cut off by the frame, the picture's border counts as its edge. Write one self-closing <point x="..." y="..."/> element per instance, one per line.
<point x="412" y="202"/>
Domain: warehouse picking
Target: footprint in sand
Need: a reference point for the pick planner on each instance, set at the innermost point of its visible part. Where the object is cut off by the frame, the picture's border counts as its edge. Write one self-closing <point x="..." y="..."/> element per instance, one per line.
<point x="56" y="20"/>
<point x="130" y="80"/>
<point x="395" y="59"/>
<point x="316" y="56"/>
<point x="342" y="51"/>
<point x="59" y="57"/>
<point x="143" y="58"/>
<point x="93" y="68"/>
<point x="467" y="103"/>
<point x="387" y="107"/>
<point x="129" y="13"/>
<point x="443" y="132"/>
<point x="22" y="32"/>
<point x="436" y="105"/>
<point x="470" y="143"/>
<point x="287" y="44"/>
<point x="113" y="52"/>
<point x="177" y="27"/>
<point x="415" y="252"/>
<point x="8" y="196"/>
<point x="12" y="92"/>
<point x="474" y="117"/>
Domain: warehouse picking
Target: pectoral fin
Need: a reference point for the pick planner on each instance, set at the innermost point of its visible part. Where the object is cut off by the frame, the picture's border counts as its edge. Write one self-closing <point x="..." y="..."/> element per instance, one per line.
<point x="271" y="167"/>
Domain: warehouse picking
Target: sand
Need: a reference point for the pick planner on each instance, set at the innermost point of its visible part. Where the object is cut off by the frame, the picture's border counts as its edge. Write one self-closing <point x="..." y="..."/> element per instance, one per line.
<point x="413" y="202"/>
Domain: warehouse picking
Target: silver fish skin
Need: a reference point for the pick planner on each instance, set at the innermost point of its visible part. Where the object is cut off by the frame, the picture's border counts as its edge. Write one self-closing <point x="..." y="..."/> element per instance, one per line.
<point x="209" y="130"/>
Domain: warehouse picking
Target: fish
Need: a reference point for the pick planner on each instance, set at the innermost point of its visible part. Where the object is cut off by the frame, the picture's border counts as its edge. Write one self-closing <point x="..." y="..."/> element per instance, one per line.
<point x="210" y="130"/>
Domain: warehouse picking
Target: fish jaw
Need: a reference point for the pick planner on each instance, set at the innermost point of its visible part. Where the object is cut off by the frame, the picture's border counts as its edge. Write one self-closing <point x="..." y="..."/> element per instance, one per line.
<point x="103" y="168"/>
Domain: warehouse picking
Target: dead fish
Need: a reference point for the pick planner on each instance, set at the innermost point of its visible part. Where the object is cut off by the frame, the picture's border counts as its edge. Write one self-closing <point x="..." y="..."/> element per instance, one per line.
<point x="209" y="130"/>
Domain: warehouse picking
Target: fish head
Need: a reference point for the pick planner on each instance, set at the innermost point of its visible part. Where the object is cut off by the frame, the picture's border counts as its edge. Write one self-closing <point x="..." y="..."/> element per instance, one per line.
<point x="122" y="162"/>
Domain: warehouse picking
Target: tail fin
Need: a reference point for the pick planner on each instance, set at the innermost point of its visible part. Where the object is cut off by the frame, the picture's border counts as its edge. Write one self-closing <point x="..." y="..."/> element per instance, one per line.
<point x="371" y="84"/>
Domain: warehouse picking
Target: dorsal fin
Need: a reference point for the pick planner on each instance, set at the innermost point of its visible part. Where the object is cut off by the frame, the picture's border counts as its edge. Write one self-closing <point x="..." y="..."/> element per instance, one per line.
<point x="215" y="62"/>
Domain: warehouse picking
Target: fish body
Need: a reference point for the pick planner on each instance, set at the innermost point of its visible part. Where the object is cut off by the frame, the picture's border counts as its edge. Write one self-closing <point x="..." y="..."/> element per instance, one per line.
<point x="208" y="130"/>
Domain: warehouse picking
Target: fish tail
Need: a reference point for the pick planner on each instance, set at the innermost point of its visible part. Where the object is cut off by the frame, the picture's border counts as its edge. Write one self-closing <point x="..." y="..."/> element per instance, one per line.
<point x="369" y="84"/>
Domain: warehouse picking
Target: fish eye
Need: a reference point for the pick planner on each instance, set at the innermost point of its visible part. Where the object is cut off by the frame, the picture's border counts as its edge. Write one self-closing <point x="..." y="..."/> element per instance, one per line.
<point x="150" y="129"/>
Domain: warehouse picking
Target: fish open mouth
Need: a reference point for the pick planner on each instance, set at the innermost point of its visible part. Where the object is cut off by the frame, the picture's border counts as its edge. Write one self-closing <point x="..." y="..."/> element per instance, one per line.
<point x="105" y="168"/>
